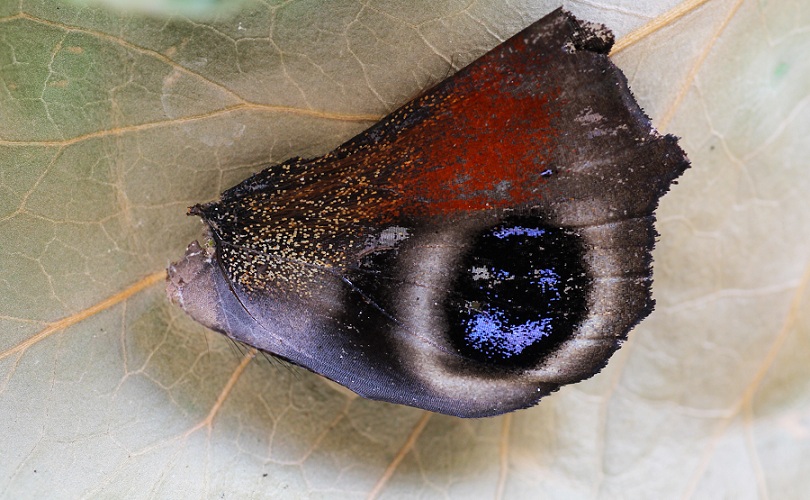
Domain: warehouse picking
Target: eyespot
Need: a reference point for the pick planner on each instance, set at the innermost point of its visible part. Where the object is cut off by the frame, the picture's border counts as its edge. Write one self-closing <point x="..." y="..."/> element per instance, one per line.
<point x="519" y="291"/>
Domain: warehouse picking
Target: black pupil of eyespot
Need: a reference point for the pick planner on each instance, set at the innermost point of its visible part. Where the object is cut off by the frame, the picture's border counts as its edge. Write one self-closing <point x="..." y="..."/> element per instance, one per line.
<point x="518" y="293"/>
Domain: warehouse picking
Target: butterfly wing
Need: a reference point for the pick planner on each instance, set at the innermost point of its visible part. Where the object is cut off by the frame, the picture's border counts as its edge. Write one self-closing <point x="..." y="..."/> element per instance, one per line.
<point x="470" y="253"/>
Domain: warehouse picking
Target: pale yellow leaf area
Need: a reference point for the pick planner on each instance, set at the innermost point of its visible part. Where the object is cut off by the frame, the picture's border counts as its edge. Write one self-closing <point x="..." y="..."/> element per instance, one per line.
<point x="111" y="124"/>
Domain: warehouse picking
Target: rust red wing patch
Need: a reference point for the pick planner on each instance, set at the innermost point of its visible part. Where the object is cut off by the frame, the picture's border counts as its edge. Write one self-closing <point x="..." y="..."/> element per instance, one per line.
<point x="475" y="250"/>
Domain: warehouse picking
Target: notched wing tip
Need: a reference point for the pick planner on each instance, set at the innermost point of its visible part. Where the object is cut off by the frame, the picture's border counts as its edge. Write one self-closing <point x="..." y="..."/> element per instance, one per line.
<point x="676" y="158"/>
<point x="589" y="36"/>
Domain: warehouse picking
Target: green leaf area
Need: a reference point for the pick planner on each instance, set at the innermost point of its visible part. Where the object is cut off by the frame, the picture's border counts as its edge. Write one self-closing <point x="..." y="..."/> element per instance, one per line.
<point x="112" y="123"/>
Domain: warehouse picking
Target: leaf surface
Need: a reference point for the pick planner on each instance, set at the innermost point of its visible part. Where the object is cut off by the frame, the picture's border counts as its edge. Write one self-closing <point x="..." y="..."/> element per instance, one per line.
<point x="111" y="124"/>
